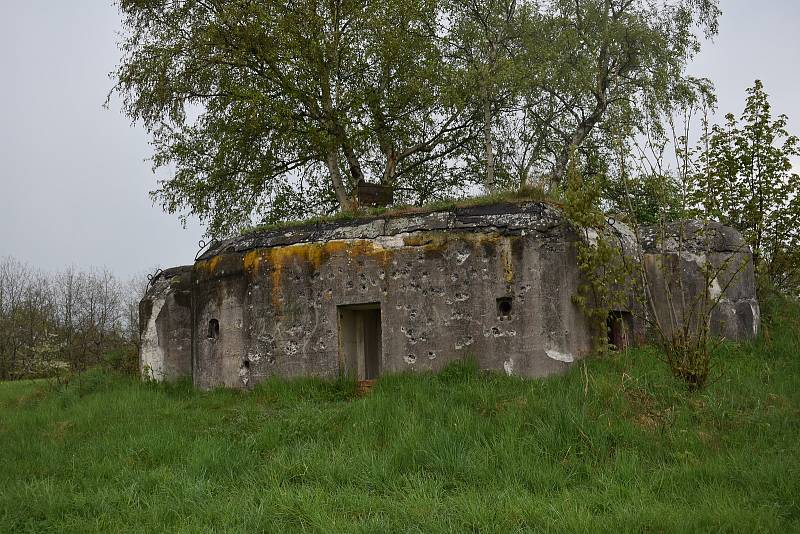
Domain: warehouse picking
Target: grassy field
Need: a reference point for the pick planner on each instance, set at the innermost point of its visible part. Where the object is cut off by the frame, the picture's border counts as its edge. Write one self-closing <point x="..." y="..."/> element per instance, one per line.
<point x="615" y="445"/>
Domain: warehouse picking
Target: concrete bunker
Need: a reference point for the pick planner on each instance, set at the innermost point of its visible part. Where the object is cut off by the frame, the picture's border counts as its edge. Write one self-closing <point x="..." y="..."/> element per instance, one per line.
<point x="375" y="296"/>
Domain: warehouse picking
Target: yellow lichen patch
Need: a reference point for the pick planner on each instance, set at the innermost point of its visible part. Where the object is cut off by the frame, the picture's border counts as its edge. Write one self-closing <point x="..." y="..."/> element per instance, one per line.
<point x="361" y="247"/>
<point x="431" y="241"/>
<point x="310" y="255"/>
<point x="316" y="254"/>
<point x="505" y="255"/>
<point x="491" y="244"/>
<point x="438" y="241"/>
<point x="370" y="249"/>
<point x="210" y="265"/>
<point x="382" y="255"/>
<point x="251" y="262"/>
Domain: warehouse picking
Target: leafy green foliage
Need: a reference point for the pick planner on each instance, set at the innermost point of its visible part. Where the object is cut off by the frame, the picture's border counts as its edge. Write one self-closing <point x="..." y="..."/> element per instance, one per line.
<point x="275" y="110"/>
<point x="53" y="324"/>
<point x="648" y="200"/>
<point x="589" y="60"/>
<point x="482" y="40"/>
<point x="747" y="181"/>
<point x="262" y="106"/>
<point x="605" y="281"/>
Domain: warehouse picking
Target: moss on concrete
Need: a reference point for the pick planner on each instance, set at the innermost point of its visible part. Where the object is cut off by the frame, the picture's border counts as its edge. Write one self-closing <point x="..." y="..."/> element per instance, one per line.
<point x="515" y="196"/>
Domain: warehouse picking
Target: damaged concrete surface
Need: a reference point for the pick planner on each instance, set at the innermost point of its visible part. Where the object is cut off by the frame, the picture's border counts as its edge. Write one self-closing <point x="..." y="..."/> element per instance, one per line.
<point x="373" y="297"/>
<point x="165" y="323"/>
<point x="694" y="264"/>
<point x="436" y="279"/>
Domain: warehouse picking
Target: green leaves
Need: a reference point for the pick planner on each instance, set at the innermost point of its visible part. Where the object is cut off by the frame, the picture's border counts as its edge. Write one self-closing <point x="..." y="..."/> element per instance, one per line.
<point x="748" y="182"/>
<point x="255" y="103"/>
<point x="599" y="254"/>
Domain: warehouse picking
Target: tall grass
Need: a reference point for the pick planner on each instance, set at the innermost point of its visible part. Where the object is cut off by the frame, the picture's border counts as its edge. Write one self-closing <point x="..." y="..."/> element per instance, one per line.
<point x="617" y="444"/>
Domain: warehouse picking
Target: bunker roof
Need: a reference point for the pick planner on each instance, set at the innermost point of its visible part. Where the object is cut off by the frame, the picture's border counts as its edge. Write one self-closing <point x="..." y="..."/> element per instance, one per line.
<point x="507" y="218"/>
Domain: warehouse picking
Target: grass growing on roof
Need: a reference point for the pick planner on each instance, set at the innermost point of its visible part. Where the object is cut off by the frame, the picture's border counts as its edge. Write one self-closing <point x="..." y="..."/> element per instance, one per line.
<point x="529" y="194"/>
<point x="615" y="444"/>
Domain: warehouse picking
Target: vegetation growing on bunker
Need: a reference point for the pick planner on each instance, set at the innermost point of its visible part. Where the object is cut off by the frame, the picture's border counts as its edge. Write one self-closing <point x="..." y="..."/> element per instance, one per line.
<point x="517" y="196"/>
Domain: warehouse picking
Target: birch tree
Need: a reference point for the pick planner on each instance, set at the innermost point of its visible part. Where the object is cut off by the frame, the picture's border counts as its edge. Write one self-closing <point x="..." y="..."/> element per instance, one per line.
<point x="622" y="56"/>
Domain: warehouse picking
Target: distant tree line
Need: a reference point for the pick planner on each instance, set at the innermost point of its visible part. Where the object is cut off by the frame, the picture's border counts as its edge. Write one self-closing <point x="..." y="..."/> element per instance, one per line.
<point x="67" y="321"/>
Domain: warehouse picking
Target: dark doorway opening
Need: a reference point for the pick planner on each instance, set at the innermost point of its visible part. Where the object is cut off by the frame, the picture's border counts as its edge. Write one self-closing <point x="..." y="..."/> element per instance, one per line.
<point x="620" y="330"/>
<point x="360" y="340"/>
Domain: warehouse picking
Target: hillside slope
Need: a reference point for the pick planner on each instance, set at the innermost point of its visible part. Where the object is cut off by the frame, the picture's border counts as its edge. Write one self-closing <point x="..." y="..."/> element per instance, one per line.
<point x="616" y="444"/>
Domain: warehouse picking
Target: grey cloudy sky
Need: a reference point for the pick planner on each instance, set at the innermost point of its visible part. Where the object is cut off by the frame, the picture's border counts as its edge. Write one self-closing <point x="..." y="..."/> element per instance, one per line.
<point x="74" y="176"/>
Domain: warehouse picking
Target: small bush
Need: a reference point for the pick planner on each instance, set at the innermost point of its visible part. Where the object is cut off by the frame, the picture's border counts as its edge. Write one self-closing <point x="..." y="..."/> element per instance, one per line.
<point x="124" y="360"/>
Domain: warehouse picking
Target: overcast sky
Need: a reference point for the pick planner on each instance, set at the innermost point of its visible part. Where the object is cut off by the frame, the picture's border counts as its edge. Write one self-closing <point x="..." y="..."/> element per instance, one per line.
<point x="74" y="177"/>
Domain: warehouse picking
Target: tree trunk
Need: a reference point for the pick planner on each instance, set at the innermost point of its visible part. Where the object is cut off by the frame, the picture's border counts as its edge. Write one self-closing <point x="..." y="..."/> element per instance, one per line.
<point x="576" y="140"/>
<point x="387" y="146"/>
<point x="490" y="184"/>
<point x="352" y="160"/>
<point x="332" y="162"/>
<point x="339" y="140"/>
<point x="585" y="126"/>
<point x="390" y="170"/>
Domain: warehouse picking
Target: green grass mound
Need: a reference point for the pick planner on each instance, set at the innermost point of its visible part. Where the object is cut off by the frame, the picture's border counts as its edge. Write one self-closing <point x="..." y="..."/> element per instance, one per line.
<point x="528" y="194"/>
<point x="617" y="444"/>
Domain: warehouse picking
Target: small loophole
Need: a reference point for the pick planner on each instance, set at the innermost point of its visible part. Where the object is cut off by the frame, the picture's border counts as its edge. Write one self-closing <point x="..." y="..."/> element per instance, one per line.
<point x="504" y="306"/>
<point x="213" y="329"/>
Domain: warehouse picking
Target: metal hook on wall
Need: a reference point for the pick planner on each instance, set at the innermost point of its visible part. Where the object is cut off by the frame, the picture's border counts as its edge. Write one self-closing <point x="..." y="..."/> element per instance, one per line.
<point x="151" y="278"/>
<point x="202" y="244"/>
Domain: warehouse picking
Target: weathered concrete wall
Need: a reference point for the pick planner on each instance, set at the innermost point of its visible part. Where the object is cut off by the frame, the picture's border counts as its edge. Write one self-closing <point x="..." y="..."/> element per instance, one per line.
<point x="494" y="283"/>
<point x="692" y="266"/>
<point x="165" y="321"/>
<point x="437" y="278"/>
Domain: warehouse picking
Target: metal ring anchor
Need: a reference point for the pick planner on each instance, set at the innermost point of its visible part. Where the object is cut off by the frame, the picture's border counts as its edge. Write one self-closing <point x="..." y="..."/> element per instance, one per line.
<point x="151" y="278"/>
<point x="203" y="245"/>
